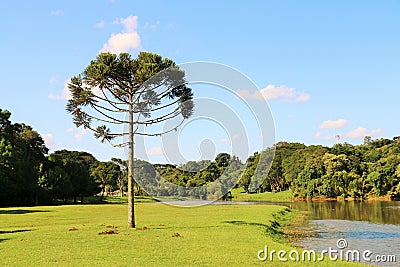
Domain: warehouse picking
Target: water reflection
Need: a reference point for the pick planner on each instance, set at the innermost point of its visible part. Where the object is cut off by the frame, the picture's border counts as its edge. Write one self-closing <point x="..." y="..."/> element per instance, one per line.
<point x="369" y="225"/>
<point x="382" y="212"/>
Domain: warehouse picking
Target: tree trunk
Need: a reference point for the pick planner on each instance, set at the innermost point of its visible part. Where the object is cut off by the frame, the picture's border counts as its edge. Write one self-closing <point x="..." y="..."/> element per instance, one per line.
<point x="102" y="194"/>
<point x="121" y="189"/>
<point x="131" y="204"/>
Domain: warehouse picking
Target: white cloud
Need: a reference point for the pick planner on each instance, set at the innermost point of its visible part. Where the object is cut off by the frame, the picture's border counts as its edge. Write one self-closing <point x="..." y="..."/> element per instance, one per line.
<point x="65" y="93"/>
<point x="127" y="40"/>
<point x="375" y="132"/>
<point x="151" y="26"/>
<point x="321" y="135"/>
<point x="56" y="12"/>
<point x="49" y="140"/>
<point x="229" y="140"/>
<point x="272" y="92"/>
<point x="331" y="124"/>
<point x="317" y="135"/>
<point x="129" y="22"/>
<point x="53" y="80"/>
<point x="357" y="133"/>
<point x="121" y="42"/>
<point x="155" y="151"/>
<point x="361" y="132"/>
<point x="79" y="134"/>
<point x="100" y="24"/>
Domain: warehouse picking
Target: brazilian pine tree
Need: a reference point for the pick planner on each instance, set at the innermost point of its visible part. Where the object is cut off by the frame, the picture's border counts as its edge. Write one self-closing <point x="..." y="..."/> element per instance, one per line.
<point x="119" y="97"/>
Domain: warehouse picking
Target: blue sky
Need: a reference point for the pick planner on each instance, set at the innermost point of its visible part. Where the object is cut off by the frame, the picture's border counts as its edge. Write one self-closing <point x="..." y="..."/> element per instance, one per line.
<point x="326" y="67"/>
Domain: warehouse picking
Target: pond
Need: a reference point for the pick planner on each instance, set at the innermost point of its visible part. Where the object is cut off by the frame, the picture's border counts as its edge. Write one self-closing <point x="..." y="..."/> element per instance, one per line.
<point x="363" y="226"/>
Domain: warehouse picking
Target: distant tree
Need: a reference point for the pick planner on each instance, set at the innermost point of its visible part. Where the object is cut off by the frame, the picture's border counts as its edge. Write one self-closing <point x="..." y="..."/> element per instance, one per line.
<point x="246" y="177"/>
<point x="223" y="159"/>
<point x="68" y="175"/>
<point x="367" y="140"/>
<point x="113" y="86"/>
<point x="123" y="165"/>
<point x="106" y="175"/>
<point x="146" y="173"/>
<point x="381" y="142"/>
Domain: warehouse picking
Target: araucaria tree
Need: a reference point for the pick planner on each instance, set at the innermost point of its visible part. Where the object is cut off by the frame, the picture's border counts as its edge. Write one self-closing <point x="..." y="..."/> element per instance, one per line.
<point x="132" y="93"/>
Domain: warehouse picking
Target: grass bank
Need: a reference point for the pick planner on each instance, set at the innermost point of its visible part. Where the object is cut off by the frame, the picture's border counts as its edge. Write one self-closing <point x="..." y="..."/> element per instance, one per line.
<point x="240" y="195"/>
<point x="213" y="235"/>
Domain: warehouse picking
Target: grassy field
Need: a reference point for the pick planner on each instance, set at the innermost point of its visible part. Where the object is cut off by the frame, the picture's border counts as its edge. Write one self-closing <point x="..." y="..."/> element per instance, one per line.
<point x="116" y="200"/>
<point x="213" y="235"/>
<point x="239" y="194"/>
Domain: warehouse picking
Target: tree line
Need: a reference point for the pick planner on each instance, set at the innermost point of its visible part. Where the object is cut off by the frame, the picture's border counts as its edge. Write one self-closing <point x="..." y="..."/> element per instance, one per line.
<point x="368" y="170"/>
<point x="29" y="176"/>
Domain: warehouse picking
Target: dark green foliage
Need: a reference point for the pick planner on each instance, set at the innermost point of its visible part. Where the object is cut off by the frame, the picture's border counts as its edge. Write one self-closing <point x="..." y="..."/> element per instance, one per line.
<point x="371" y="169"/>
<point x="69" y="175"/>
<point x="22" y="153"/>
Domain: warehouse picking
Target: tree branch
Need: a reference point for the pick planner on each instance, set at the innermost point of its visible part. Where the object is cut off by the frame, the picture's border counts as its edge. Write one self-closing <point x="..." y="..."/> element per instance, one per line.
<point x="161" y="118"/>
<point x="117" y="97"/>
<point x="118" y="145"/>
<point x="161" y="133"/>
<point x="111" y="110"/>
<point x="170" y="104"/>
<point x="108" y="100"/>
<point x="117" y="121"/>
<point x="103" y="120"/>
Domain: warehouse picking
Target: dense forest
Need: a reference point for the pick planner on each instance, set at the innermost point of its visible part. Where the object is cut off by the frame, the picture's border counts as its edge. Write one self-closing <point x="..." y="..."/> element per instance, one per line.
<point x="368" y="170"/>
<point x="31" y="176"/>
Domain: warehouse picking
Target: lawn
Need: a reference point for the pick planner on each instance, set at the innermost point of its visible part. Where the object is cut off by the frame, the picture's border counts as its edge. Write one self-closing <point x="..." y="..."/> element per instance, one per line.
<point x="213" y="235"/>
<point x="240" y="195"/>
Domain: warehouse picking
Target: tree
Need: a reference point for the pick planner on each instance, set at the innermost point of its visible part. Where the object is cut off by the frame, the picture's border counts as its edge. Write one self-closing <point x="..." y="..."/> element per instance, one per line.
<point x="123" y="167"/>
<point x="148" y="89"/>
<point x="246" y="177"/>
<point x="106" y="175"/>
<point x="223" y="159"/>
<point x="22" y="152"/>
<point x="367" y="140"/>
<point x="69" y="175"/>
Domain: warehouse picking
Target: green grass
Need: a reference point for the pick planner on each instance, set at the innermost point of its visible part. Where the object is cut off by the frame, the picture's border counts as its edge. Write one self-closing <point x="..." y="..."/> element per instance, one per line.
<point x="240" y="195"/>
<point x="117" y="199"/>
<point x="213" y="235"/>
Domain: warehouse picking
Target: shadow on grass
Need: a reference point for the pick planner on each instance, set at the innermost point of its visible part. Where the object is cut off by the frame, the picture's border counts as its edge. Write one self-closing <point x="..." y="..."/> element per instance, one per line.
<point x="14" y="231"/>
<point x="18" y="211"/>
<point x="3" y="239"/>
<point x="246" y="223"/>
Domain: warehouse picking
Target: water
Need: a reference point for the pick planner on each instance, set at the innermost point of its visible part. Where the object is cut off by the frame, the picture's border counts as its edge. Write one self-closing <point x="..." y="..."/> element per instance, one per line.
<point x="365" y="226"/>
